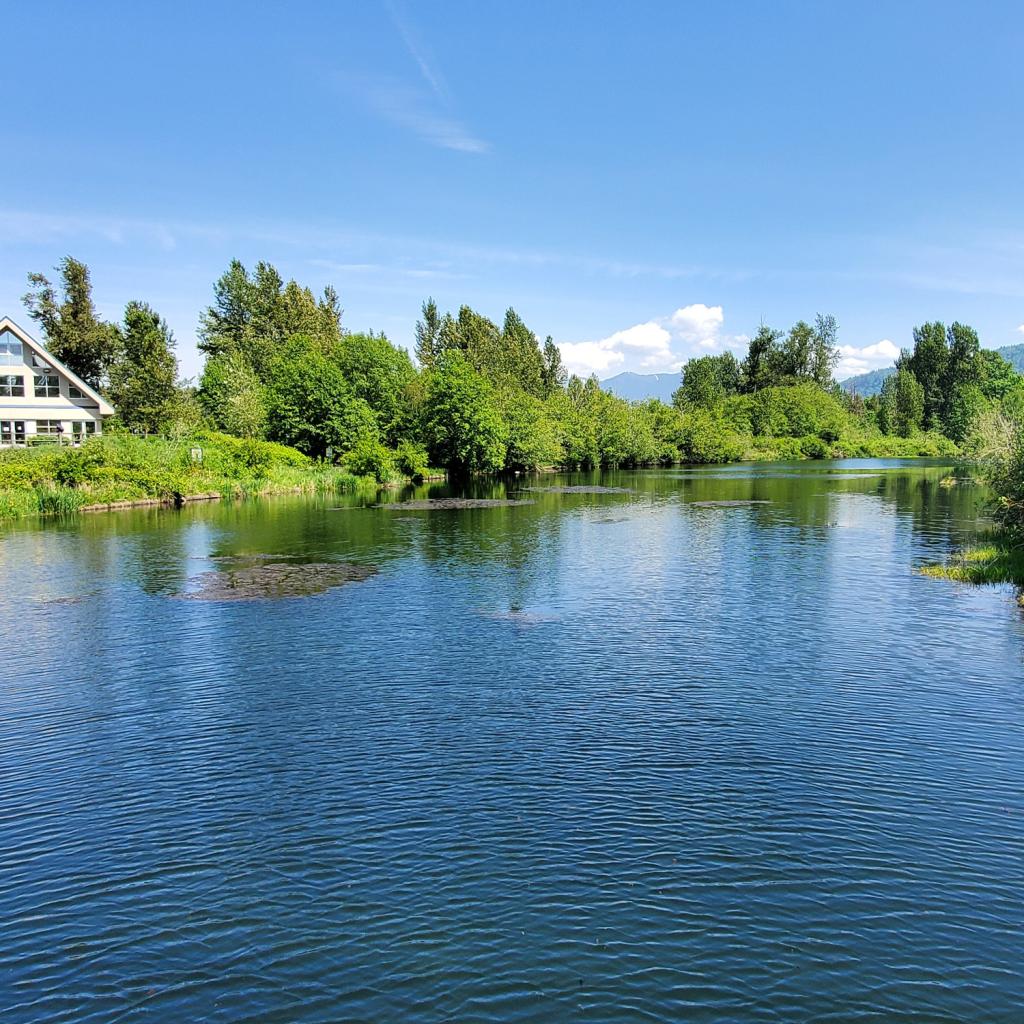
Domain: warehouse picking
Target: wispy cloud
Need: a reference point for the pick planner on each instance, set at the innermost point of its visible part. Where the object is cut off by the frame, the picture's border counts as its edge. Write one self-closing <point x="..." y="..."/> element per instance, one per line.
<point x="429" y="112"/>
<point x="417" y="50"/>
<point x="409" y="108"/>
<point x="854" y="361"/>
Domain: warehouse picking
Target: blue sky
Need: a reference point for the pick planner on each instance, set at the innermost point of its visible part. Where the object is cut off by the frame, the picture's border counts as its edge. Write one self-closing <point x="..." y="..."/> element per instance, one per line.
<point x="642" y="181"/>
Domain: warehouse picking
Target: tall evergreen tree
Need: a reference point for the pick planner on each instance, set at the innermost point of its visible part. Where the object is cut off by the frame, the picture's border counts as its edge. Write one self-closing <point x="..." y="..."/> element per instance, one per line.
<point x="74" y="333"/>
<point x="554" y="375"/>
<point x="428" y="335"/>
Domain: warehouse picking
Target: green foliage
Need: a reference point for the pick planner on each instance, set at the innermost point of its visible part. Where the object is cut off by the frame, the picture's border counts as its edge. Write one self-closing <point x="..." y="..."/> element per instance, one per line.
<point x="797" y="411"/>
<point x="463" y="426"/>
<point x="707" y="381"/>
<point x="411" y="460"/>
<point x="143" y="379"/>
<point x="368" y="457"/>
<point x="312" y="405"/>
<point x="901" y="405"/>
<point x="531" y="434"/>
<point x="122" y="467"/>
<point x="71" y="327"/>
<point x="382" y="376"/>
<point x="707" y="437"/>
<point x="232" y="396"/>
<point x="254" y="316"/>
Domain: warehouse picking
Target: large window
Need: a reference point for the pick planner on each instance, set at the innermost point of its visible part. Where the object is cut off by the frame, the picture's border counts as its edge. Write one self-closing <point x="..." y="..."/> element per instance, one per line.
<point x="12" y="386"/>
<point x="49" y="427"/>
<point x="82" y="428"/>
<point x="12" y="431"/>
<point x="47" y="385"/>
<point x="10" y="350"/>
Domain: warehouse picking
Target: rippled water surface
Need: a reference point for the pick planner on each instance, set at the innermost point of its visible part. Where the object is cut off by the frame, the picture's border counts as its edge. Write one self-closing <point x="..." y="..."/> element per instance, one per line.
<point x="705" y="749"/>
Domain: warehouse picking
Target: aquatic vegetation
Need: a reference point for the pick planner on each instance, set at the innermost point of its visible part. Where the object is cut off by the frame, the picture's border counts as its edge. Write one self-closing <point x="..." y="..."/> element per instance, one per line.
<point x="581" y="489"/>
<point x="262" y="581"/>
<point x="449" y="504"/>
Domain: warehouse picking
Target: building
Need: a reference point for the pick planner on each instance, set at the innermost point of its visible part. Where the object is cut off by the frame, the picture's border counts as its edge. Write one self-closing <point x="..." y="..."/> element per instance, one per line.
<point x="40" y="397"/>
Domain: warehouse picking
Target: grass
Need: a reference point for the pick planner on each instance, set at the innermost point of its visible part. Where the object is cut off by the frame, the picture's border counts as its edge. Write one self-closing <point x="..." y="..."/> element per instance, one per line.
<point x="119" y="467"/>
<point x="997" y="558"/>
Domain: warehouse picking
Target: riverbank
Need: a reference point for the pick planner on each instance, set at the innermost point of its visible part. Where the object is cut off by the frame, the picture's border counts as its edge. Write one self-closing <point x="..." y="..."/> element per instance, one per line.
<point x="117" y="471"/>
<point x="121" y="471"/>
<point x="998" y="557"/>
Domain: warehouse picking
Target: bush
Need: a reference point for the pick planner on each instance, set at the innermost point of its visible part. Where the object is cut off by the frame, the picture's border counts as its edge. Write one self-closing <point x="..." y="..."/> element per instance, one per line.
<point x="411" y="460"/>
<point x="369" y="457"/>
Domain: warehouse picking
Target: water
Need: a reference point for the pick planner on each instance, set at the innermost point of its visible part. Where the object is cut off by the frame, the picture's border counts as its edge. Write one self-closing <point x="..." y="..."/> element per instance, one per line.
<point x="607" y="757"/>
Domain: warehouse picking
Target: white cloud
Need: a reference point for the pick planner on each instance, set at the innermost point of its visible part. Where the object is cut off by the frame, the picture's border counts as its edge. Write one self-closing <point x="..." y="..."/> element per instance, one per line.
<point x="698" y="321"/>
<point x="661" y="345"/>
<point x="853" y="360"/>
<point x="1021" y="329"/>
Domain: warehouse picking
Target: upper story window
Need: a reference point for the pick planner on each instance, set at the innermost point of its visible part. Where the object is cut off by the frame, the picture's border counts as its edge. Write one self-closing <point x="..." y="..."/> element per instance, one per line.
<point x="12" y="386"/>
<point x="11" y="353"/>
<point x="74" y="392"/>
<point x="47" y="385"/>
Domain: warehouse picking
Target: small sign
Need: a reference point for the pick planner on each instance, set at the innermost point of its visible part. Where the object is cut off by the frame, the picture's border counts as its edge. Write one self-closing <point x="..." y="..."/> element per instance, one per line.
<point x="197" y="454"/>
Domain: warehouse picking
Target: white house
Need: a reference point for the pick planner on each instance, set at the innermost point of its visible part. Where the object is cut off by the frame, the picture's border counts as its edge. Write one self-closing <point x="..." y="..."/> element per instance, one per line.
<point x="40" y="396"/>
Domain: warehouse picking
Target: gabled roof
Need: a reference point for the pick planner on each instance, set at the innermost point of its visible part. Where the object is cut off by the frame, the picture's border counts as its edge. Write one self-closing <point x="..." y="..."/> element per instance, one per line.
<point x="6" y="323"/>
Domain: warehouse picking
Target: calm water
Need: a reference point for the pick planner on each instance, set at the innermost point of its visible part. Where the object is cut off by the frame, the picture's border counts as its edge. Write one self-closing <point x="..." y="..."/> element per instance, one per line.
<point x="608" y="757"/>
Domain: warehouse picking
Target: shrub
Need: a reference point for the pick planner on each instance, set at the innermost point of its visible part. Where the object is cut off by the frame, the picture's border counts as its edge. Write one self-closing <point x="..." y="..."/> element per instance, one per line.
<point x="369" y="457"/>
<point x="411" y="460"/>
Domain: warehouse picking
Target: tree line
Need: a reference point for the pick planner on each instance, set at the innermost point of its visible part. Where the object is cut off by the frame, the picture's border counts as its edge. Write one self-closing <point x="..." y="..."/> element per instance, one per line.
<point x="483" y="397"/>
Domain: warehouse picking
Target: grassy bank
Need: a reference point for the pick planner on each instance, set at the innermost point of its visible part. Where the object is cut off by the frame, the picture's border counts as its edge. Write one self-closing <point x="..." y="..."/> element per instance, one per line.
<point x="998" y="557"/>
<point x="119" y="468"/>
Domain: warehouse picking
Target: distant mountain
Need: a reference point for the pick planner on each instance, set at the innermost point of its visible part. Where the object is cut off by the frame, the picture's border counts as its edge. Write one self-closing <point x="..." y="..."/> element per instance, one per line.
<point x="866" y="384"/>
<point x="1013" y="354"/>
<point x="636" y="387"/>
<point x="639" y="386"/>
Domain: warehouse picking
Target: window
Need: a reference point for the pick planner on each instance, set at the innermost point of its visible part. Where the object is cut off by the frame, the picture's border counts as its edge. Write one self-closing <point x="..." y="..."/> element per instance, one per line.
<point x="12" y="386"/>
<point x="10" y="350"/>
<point x="12" y="431"/>
<point x="49" y="427"/>
<point x="40" y="362"/>
<point x="74" y="392"/>
<point x="47" y="385"/>
<point x="82" y="428"/>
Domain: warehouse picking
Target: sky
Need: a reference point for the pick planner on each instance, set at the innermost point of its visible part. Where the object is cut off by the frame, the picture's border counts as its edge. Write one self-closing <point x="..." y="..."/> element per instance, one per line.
<point x="644" y="181"/>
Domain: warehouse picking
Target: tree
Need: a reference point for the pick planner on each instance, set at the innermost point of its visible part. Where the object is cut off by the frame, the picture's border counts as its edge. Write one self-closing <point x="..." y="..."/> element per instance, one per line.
<point x="901" y="404"/>
<point x="523" y="362"/>
<point x="824" y="349"/>
<point x="928" y="362"/>
<point x="383" y="376"/>
<point x="256" y="315"/>
<point x="233" y="396"/>
<point x="795" y="359"/>
<point x="962" y="397"/>
<point x="997" y="377"/>
<point x="554" y="374"/>
<point x="143" y="379"/>
<point x="312" y="406"/>
<point x="428" y="335"/>
<point x="757" y="367"/>
<point x="463" y="427"/>
<point x="74" y="333"/>
<point x="707" y="380"/>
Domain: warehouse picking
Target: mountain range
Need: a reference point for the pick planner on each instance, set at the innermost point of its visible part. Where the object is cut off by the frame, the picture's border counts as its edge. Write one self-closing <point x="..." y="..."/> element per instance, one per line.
<point x="640" y="386"/>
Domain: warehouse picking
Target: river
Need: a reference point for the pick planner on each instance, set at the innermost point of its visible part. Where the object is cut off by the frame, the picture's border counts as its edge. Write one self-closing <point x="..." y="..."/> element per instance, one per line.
<point x="705" y="748"/>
